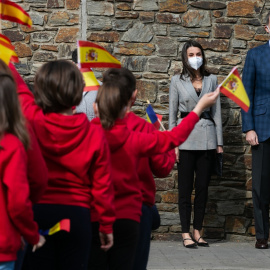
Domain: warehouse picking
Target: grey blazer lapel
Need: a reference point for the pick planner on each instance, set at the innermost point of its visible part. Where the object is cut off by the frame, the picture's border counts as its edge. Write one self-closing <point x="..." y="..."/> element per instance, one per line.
<point x="190" y="89"/>
<point x="206" y="85"/>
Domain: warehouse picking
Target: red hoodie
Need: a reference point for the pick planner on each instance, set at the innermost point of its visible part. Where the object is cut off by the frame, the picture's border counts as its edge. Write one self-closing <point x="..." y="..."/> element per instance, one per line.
<point x="159" y="165"/>
<point x="37" y="172"/>
<point x="127" y="148"/>
<point x="77" y="156"/>
<point x="15" y="207"/>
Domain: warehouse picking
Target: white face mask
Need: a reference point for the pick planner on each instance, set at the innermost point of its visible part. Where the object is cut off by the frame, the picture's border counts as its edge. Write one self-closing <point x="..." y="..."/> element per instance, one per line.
<point x="195" y="62"/>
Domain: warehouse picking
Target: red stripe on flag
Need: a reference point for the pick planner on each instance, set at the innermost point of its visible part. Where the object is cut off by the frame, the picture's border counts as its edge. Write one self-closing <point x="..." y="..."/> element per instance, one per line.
<point x="99" y="65"/>
<point x="234" y="98"/>
<point x="14" y="19"/>
<point x="90" y="88"/>
<point x="65" y="225"/>
<point x="82" y="43"/>
<point x="9" y="46"/>
<point x="14" y="59"/>
<point x="4" y="37"/>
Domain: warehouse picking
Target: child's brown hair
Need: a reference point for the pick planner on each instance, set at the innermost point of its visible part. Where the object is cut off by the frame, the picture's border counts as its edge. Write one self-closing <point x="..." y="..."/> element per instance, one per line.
<point x="113" y="96"/>
<point x="58" y="86"/>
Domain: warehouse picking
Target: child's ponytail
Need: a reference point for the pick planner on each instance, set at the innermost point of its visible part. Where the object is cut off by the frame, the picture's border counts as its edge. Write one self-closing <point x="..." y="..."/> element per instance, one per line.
<point x="110" y="103"/>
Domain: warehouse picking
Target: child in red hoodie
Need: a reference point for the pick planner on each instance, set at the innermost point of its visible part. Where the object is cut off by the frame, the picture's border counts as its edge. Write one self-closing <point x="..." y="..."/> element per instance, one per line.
<point x="159" y="165"/>
<point x="126" y="149"/>
<point x="37" y="172"/>
<point x="15" y="206"/>
<point x="78" y="161"/>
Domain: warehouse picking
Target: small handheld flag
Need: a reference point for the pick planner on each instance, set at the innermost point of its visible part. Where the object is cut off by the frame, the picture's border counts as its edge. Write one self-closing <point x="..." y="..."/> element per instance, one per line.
<point x="91" y="55"/>
<point x="233" y="88"/>
<point x="63" y="225"/>
<point x="153" y="118"/>
<point x="13" y="12"/>
<point x="91" y="83"/>
<point x="4" y="41"/>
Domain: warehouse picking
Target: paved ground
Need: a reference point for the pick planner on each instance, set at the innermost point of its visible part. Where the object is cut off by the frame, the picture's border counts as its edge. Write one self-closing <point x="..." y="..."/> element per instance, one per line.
<point x="220" y="255"/>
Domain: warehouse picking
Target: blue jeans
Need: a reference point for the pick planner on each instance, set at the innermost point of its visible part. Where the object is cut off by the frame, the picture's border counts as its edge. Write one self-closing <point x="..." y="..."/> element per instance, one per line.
<point x="7" y="265"/>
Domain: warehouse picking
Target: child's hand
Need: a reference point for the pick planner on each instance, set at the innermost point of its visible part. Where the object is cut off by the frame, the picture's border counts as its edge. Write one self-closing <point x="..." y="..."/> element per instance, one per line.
<point x="106" y="240"/>
<point x="206" y="101"/>
<point x="40" y="243"/>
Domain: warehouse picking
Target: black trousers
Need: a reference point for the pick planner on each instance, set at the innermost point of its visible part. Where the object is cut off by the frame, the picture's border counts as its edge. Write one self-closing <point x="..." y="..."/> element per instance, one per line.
<point x="62" y="250"/>
<point x="143" y="246"/>
<point x="261" y="188"/>
<point x="200" y="163"/>
<point x="121" y="255"/>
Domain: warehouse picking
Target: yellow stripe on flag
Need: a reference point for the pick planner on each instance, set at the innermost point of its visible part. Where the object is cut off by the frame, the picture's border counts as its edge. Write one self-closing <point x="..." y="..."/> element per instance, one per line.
<point x="54" y="229"/>
<point x="7" y="41"/>
<point x="92" y="55"/>
<point x="13" y="12"/>
<point x="233" y="88"/>
<point x="5" y="53"/>
<point x="91" y="83"/>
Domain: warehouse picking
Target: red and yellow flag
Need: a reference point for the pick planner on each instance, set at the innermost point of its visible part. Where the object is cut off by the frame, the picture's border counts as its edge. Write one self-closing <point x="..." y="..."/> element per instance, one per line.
<point x="13" y="12"/>
<point x="91" y="55"/>
<point x="91" y="83"/>
<point x="233" y="88"/>
<point x="4" y="39"/>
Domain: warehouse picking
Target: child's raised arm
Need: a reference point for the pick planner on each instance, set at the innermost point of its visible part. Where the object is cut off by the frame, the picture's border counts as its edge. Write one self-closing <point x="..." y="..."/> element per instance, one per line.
<point x="160" y="142"/>
<point x="206" y="101"/>
<point x="26" y="97"/>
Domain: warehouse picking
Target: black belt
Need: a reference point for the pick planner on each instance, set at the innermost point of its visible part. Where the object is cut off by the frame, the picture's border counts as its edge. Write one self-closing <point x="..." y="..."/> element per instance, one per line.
<point x="204" y="115"/>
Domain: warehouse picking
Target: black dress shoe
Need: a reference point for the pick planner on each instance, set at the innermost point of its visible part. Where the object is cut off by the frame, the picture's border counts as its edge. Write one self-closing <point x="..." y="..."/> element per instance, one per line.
<point x="193" y="245"/>
<point x="261" y="244"/>
<point x="201" y="244"/>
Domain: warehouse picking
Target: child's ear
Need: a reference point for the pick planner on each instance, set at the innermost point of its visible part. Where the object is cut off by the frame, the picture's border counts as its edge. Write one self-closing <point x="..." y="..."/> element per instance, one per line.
<point x="95" y="107"/>
<point x="133" y="97"/>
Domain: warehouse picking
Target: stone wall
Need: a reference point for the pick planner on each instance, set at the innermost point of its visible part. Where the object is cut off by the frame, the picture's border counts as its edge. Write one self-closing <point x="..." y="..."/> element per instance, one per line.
<point x="147" y="36"/>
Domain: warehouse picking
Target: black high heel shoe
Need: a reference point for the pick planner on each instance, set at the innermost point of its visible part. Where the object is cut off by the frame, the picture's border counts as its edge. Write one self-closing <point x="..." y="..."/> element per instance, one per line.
<point x="201" y="244"/>
<point x="193" y="245"/>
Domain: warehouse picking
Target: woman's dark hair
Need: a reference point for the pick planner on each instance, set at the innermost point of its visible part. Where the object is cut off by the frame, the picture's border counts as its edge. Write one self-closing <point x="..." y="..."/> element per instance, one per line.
<point x="267" y="18"/>
<point x="111" y="100"/>
<point x="11" y="117"/>
<point x="124" y="76"/>
<point x="58" y="86"/>
<point x="74" y="56"/>
<point x="187" y="69"/>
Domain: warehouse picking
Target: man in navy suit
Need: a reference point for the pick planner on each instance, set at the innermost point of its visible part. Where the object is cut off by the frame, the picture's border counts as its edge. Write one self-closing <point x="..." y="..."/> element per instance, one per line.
<point x="256" y="125"/>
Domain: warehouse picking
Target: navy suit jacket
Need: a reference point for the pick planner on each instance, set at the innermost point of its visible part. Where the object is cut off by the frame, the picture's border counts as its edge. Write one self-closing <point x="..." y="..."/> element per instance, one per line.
<point x="256" y="79"/>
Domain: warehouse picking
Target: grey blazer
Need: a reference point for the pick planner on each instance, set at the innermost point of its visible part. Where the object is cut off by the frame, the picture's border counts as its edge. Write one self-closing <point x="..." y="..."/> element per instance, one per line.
<point x="206" y="135"/>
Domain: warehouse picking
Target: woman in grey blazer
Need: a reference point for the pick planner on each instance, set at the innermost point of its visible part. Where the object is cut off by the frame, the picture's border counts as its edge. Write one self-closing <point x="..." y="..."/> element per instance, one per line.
<point x="197" y="153"/>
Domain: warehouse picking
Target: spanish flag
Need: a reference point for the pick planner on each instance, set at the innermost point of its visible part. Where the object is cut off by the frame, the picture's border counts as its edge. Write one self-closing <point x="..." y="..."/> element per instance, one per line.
<point x="14" y="57"/>
<point x="91" y="83"/>
<point x="91" y="55"/>
<point x="233" y="88"/>
<point x="153" y="118"/>
<point x="63" y="225"/>
<point x="14" y="13"/>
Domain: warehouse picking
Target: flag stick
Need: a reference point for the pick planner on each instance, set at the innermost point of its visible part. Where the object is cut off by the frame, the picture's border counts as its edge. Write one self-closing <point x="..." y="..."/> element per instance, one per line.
<point x="163" y="128"/>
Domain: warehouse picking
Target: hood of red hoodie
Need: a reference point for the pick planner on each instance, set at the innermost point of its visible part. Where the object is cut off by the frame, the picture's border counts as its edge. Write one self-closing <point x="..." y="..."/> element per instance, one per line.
<point x="117" y="135"/>
<point x="61" y="134"/>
